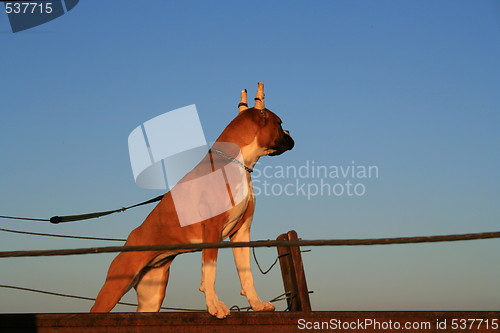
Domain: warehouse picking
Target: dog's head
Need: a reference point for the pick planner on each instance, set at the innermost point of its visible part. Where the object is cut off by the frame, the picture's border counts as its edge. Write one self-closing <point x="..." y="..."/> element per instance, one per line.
<point x="258" y="128"/>
<point x="270" y="135"/>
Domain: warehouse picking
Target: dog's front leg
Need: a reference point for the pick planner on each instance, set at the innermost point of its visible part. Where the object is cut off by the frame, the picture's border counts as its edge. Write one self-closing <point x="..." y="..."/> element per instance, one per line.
<point x="208" y="272"/>
<point x="242" y="260"/>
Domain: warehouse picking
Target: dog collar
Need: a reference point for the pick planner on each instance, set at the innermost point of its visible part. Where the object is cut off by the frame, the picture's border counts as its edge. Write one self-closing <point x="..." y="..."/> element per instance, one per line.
<point x="229" y="158"/>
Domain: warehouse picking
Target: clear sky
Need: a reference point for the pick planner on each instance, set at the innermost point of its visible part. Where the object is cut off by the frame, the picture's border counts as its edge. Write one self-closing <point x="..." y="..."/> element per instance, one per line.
<point x="410" y="87"/>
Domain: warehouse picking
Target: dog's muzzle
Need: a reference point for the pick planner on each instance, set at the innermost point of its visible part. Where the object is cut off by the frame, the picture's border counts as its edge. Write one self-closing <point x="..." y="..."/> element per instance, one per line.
<point x="284" y="143"/>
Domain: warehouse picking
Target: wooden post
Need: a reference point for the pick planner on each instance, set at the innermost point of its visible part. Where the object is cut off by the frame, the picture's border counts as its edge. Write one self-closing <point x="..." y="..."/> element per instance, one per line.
<point x="287" y="274"/>
<point x="294" y="278"/>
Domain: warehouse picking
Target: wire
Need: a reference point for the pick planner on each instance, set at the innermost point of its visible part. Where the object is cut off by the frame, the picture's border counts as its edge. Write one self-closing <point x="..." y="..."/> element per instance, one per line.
<point x="272" y="265"/>
<point x="285" y="243"/>
<point x="23" y="218"/>
<point x="63" y="236"/>
<point x="71" y="218"/>
<point x="87" y="298"/>
<point x="276" y="299"/>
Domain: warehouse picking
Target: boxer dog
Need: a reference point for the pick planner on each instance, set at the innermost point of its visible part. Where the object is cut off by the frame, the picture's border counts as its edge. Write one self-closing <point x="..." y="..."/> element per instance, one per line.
<point x="255" y="132"/>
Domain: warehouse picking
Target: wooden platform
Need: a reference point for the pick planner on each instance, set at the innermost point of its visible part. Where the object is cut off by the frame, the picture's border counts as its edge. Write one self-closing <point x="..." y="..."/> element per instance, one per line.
<point x="252" y="322"/>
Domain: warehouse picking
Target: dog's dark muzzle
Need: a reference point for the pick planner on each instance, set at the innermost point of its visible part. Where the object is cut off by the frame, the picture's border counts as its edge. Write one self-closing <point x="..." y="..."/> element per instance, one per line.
<point x="284" y="143"/>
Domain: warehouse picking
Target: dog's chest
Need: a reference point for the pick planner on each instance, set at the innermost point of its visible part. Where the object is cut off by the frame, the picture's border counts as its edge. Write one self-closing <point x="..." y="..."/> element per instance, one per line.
<point x="235" y="213"/>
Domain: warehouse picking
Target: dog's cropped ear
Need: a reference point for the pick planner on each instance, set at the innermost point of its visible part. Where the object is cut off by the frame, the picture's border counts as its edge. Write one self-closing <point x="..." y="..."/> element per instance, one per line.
<point x="243" y="101"/>
<point x="259" y="98"/>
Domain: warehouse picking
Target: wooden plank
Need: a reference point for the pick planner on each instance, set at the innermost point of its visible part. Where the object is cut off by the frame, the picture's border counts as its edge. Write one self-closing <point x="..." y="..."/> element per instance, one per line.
<point x="251" y="322"/>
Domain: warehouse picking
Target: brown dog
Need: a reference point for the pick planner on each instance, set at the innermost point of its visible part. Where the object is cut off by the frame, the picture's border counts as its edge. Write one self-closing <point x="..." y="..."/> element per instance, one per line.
<point x="256" y="132"/>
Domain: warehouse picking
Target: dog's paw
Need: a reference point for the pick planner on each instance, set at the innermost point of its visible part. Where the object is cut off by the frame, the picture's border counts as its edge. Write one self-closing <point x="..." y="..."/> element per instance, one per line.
<point x="217" y="309"/>
<point x="263" y="306"/>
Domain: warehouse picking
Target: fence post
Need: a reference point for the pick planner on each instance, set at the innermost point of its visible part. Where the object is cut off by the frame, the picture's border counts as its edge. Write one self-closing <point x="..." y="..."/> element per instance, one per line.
<point x="292" y="272"/>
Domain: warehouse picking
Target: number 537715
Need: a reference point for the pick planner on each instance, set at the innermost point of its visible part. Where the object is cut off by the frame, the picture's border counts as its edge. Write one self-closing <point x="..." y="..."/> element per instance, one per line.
<point x="28" y="8"/>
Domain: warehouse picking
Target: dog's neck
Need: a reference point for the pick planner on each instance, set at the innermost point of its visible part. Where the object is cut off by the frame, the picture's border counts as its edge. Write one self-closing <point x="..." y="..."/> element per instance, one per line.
<point x="251" y="153"/>
<point x="243" y="133"/>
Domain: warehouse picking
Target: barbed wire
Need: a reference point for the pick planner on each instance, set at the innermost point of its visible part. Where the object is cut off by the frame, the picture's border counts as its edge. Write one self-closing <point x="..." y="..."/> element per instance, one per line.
<point x="262" y="243"/>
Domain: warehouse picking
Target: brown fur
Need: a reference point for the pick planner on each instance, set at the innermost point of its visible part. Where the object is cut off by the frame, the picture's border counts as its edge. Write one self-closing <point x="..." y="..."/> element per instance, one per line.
<point x="148" y="271"/>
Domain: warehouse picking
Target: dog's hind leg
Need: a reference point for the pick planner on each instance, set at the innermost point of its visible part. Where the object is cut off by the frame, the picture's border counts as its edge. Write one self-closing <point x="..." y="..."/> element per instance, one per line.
<point x="151" y="288"/>
<point x="121" y="275"/>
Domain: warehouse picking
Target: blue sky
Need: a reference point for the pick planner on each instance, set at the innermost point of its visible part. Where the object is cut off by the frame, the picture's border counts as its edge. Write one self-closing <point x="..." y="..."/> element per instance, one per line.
<point x="410" y="87"/>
